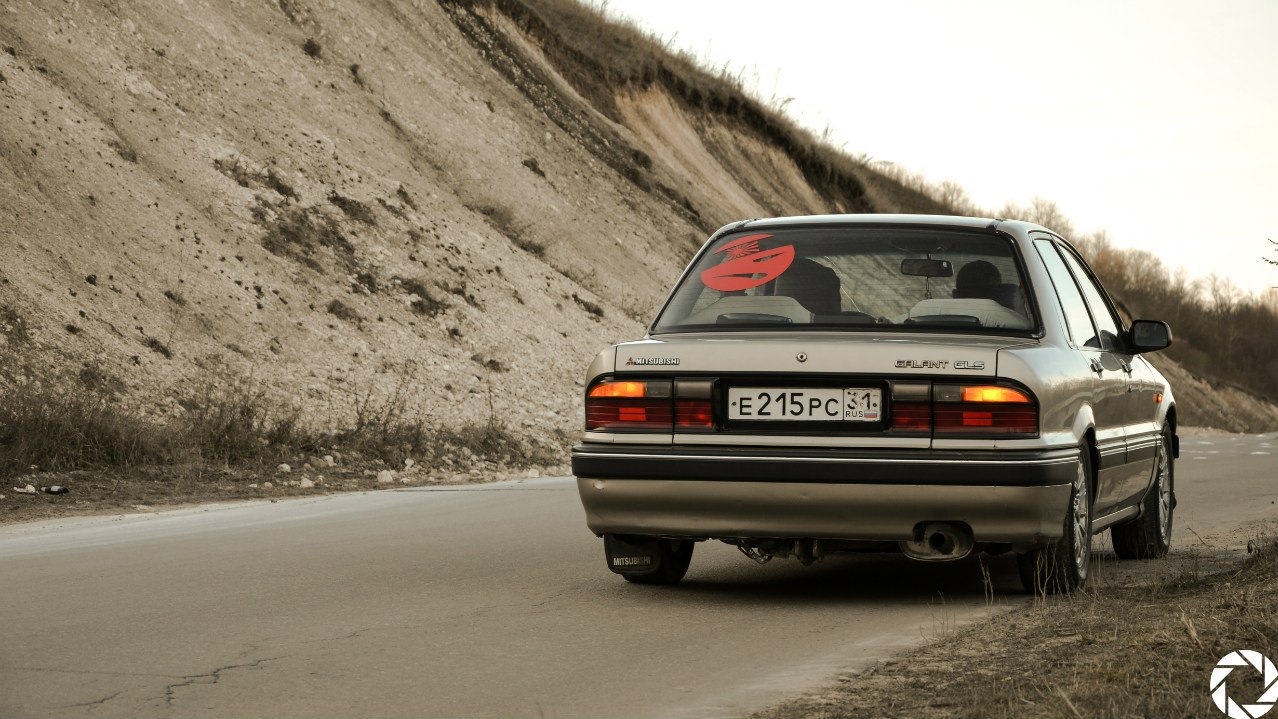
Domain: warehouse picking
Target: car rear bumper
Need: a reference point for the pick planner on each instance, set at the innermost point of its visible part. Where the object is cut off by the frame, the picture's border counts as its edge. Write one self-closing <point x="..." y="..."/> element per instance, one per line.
<point x="1016" y="497"/>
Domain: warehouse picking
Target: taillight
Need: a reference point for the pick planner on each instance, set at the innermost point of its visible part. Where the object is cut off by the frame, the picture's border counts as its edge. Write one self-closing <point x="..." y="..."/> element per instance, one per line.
<point x="650" y="406"/>
<point x="693" y="414"/>
<point x="983" y="410"/>
<point x="911" y="417"/>
<point x="643" y="405"/>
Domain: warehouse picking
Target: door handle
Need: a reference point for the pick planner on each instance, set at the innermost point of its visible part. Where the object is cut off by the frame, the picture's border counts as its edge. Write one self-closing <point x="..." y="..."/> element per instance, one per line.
<point x="1097" y="367"/>
<point x="1126" y="367"/>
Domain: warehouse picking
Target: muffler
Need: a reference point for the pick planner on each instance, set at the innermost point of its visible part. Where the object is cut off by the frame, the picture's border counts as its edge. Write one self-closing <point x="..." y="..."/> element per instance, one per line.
<point x="939" y="542"/>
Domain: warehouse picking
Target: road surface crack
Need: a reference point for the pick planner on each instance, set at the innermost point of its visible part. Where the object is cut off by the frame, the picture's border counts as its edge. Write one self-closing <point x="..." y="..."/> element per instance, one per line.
<point x="210" y="678"/>
<point x="95" y="702"/>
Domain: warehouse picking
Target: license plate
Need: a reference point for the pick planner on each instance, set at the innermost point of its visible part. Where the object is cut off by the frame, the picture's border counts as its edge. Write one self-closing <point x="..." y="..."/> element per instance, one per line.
<point x="807" y="404"/>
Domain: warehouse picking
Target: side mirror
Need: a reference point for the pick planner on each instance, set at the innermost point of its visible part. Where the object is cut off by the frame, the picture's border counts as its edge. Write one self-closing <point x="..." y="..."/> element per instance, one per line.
<point x="1149" y="336"/>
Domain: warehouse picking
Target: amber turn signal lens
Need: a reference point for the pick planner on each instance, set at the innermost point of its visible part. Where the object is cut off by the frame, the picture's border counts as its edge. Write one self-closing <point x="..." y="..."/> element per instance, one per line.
<point x="1003" y="395"/>
<point x="620" y="389"/>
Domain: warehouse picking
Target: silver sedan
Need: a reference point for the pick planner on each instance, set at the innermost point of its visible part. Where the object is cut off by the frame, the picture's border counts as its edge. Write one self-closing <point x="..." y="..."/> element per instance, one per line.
<point x="930" y="385"/>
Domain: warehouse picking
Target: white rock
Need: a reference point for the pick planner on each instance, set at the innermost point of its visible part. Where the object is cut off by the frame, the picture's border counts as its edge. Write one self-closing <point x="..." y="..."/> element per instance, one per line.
<point x="284" y="469"/>
<point x="267" y="485"/>
<point x="408" y="463"/>
<point x="329" y="461"/>
<point x="406" y="480"/>
<point x="534" y="473"/>
<point x="306" y="483"/>
<point x="29" y="489"/>
<point x="385" y="477"/>
<point x="252" y="486"/>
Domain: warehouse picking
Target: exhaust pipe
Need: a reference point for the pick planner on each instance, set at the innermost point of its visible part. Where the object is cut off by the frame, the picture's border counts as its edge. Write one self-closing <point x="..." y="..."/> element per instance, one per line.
<point x="939" y="542"/>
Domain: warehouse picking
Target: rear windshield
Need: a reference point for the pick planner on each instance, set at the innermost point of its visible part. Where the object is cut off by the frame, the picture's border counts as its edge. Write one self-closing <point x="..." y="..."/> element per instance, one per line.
<point x="851" y="278"/>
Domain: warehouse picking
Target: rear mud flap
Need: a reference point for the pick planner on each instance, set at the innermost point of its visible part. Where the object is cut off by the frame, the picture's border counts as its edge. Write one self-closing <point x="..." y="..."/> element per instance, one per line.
<point x="632" y="555"/>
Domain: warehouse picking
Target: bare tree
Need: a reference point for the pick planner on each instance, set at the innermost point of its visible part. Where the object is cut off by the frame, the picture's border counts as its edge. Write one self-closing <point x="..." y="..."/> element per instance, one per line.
<point x="952" y="195"/>
<point x="1049" y="215"/>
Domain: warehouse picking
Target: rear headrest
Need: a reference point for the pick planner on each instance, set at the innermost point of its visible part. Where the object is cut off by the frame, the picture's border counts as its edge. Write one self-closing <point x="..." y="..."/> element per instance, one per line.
<point x="812" y="284"/>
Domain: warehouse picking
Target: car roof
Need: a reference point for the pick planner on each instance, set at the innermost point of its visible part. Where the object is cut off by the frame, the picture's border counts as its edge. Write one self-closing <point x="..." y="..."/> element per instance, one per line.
<point x="884" y="219"/>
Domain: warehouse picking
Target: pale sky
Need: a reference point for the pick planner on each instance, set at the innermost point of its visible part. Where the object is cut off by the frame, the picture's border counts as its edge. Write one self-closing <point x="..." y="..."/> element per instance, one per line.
<point x="1155" y="120"/>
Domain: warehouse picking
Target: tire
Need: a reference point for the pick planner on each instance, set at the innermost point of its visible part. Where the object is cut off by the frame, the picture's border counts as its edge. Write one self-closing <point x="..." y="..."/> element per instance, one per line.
<point x="1149" y="535"/>
<point x="1063" y="567"/>
<point x="676" y="555"/>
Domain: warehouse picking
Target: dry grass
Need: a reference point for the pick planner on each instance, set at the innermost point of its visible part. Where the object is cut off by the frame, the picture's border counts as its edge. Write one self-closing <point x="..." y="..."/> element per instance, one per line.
<point x="1144" y="651"/>
<point x="69" y="426"/>
<point x="63" y="424"/>
<point x="226" y="444"/>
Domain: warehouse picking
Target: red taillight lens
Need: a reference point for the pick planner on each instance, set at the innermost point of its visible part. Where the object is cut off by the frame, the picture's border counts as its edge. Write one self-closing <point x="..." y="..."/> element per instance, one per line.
<point x="630" y="405"/>
<point x="984" y="419"/>
<point x="911" y="417"/>
<point x="648" y="414"/>
<point x="693" y="414"/>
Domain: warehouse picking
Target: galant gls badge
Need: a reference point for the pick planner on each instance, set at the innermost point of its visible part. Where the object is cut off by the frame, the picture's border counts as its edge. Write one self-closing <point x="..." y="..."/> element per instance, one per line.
<point x="802" y="356"/>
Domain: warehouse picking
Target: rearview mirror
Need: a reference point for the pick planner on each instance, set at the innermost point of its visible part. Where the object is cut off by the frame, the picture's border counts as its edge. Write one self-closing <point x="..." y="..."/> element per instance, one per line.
<point x="927" y="268"/>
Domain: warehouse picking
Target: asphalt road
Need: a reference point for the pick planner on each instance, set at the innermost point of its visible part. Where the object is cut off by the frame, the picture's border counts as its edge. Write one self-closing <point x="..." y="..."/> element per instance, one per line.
<point x="489" y="600"/>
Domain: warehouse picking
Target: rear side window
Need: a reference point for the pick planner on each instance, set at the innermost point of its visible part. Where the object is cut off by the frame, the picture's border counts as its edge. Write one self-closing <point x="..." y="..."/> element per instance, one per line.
<point x="853" y="278"/>
<point x="1081" y="330"/>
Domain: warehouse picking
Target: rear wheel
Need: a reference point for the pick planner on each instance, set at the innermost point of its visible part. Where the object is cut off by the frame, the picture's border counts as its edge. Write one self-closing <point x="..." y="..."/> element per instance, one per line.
<point x="674" y="557"/>
<point x="1149" y="535"/>
<point x="1063" y="566"/>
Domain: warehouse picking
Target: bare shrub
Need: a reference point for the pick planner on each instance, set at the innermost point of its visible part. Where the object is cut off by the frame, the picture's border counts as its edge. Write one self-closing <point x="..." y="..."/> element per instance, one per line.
<point x="12" y="326"/>
<point x="65" y="425"/>
<point x="158" y="347"/>
<point x="126" y="153"/>
<point x="424" y="302"/>
<point x="342" y="311"/>
<point x="235" y="421"/>
<point x="353" y="209"/>
<point x="303" y="233"/>
<point x="588" y="306"/>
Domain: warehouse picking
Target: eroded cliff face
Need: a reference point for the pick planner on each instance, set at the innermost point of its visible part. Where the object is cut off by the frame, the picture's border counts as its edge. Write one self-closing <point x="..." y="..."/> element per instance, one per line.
<point x="338" y="197"/>
<point x="336" y="200"/>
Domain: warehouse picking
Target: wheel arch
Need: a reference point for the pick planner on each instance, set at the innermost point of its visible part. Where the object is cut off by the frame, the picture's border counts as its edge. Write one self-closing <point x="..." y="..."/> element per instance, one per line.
<point x="1093" y="454"/>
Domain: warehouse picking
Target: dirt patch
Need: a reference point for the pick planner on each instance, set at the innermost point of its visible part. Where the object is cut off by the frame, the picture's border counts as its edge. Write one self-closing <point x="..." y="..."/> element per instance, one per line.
<point x="146" y="489"/>
<point x="1203" y="404"/>
<point x="1142" y="650"/>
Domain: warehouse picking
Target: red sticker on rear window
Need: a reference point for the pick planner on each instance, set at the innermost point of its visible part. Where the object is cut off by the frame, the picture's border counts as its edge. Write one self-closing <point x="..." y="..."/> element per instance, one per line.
<point x="745" y="261"/>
